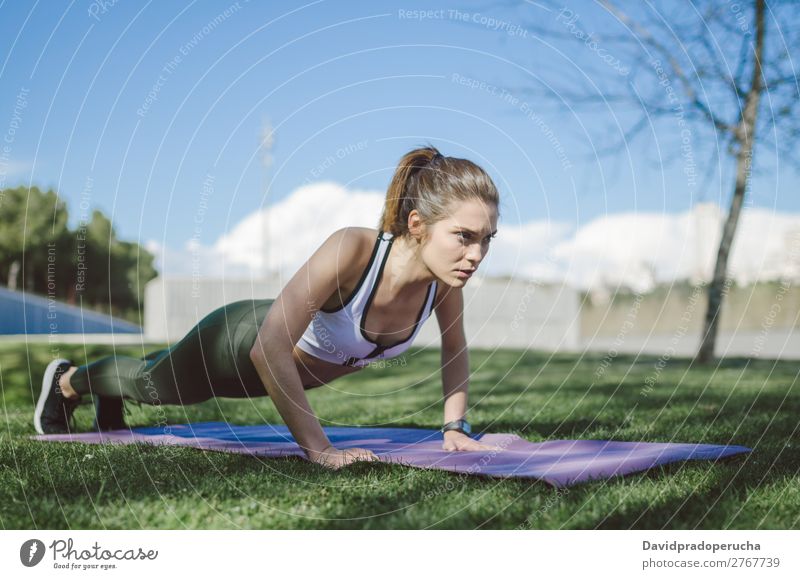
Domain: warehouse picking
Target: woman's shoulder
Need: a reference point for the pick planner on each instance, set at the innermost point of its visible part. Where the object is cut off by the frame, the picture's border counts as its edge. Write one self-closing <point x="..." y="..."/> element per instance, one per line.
<point x="355" y="241"/>
<point x="350" y="249"/>
<point x="348" y="246"/>
<point x="362" y="233"/>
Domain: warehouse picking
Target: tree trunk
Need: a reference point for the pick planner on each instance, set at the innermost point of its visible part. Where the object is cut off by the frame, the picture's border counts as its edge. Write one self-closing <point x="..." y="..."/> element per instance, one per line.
<point x="13" y="273"/>
<point x="745" y="136"/>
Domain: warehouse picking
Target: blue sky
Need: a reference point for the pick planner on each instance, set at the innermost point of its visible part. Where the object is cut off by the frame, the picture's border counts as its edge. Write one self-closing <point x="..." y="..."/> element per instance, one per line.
<point x="357" y="84"/>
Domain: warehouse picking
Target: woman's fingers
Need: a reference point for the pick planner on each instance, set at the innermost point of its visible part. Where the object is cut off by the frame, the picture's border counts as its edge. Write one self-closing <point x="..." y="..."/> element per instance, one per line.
<point x="335" y="458"/>
<point x="361" y="454"/>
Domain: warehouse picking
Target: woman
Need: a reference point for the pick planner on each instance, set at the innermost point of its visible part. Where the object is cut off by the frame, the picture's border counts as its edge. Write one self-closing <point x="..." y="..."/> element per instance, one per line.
<point x="350" y="304"/>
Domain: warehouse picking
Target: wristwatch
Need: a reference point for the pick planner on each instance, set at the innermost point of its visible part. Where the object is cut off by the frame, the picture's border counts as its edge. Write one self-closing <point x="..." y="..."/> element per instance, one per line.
<point x="459" y="425"/>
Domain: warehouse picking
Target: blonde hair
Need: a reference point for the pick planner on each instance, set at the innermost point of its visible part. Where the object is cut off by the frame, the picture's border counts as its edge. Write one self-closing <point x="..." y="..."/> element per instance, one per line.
<point x="429" y="182"/>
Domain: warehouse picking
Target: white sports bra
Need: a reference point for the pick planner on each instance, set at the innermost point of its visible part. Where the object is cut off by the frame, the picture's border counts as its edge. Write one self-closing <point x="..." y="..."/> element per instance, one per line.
<point x="338" y="335"/>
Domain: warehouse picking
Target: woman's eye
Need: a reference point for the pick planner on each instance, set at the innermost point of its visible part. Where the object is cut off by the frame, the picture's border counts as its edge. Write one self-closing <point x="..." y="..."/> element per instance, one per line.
<point x="466" y="237"/>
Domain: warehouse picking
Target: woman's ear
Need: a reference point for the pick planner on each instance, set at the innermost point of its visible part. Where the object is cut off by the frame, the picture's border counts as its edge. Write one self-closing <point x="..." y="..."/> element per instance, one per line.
<point x="416" y="227"/>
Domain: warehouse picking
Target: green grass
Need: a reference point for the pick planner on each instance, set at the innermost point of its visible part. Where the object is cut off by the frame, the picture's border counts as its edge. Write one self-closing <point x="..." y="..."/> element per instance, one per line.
<point x="536" y="395"/>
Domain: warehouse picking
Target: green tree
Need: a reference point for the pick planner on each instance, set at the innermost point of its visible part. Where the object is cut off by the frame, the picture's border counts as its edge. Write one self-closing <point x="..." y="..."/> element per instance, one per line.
<point x="131" y="268"/>
<point x="33" y="225"/>
<point x="88" y="266"/>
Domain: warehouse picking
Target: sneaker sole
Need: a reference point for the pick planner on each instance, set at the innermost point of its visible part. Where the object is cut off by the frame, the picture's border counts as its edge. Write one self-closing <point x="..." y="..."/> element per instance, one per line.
<point x="47" y="382"/>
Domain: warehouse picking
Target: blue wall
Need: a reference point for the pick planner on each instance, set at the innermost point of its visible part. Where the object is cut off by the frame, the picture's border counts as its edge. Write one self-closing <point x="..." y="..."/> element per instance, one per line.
<point x="26" y="313"/>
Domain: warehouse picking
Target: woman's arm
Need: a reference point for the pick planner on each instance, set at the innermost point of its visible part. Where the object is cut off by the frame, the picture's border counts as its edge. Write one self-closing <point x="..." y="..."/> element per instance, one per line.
<point x="287" y="319"/>
<point x="276" y="368"/>
<point x="455" y="369"/>
<point x="455" y="383"/>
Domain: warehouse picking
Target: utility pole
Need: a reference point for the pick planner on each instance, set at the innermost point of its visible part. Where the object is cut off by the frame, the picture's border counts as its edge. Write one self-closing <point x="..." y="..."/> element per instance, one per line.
<point x="266" y="140"/>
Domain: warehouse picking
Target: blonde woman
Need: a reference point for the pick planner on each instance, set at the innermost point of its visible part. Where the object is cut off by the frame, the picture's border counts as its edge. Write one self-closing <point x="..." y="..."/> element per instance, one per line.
<point x="361" y="297"/>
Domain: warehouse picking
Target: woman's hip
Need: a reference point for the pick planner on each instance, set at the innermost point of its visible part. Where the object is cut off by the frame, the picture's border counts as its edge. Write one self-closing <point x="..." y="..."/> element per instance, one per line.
<point x="231" y="330"/>
<point x="217" y="349"/>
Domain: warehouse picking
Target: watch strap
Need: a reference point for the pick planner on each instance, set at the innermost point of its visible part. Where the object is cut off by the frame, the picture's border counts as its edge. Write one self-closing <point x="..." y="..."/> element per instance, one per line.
<point x="460" y="425"/>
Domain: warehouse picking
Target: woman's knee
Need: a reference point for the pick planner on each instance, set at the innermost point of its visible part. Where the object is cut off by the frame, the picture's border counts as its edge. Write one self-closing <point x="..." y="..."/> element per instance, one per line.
<point x="170" y="382"/>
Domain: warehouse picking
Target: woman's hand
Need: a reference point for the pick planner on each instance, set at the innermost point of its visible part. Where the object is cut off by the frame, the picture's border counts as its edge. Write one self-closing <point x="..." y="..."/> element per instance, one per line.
<point x="334" y="458"/>
<point x="455" y="440"/>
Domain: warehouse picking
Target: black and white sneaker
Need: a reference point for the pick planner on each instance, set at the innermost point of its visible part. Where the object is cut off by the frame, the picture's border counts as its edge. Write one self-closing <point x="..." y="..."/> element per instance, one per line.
<point x="109" y="414"/>
<point x="53" y="412"/>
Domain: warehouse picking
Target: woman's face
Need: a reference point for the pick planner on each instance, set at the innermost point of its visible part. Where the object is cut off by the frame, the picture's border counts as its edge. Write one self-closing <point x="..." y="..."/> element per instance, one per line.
<point x="457" y="244"/>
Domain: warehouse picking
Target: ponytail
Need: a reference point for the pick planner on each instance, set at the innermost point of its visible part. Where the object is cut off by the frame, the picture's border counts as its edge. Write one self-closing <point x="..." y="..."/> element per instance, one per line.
<point x="429" y="182"/>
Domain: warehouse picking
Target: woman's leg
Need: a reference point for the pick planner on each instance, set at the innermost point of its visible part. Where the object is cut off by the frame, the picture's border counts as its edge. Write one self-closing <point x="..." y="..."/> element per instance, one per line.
<point x="211" y="360"/>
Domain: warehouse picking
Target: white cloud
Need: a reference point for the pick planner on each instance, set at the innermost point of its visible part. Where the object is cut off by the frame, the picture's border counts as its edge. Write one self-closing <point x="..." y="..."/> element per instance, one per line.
<point x="640" y="250"/>
<point x="526" y="250"/>
<point x="285" y="234"/>
<point x="636" y="250"/>
<point x="10" y="168"/>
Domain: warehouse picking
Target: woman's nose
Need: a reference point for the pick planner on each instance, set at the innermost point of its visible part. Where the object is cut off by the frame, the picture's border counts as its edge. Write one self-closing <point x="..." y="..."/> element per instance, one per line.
<point x="475" y="253"/>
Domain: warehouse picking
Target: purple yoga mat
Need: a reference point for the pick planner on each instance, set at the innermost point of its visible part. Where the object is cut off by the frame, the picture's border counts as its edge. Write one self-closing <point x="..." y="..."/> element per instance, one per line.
<point x="560" y="463"/>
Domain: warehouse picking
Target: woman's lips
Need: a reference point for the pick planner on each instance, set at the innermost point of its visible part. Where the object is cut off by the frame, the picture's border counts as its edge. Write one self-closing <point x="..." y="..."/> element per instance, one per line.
<point x="465" y="274"/>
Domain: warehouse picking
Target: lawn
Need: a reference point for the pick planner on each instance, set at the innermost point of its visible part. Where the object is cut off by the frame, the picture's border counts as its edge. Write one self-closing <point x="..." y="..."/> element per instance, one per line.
<point x="536" y="395"/>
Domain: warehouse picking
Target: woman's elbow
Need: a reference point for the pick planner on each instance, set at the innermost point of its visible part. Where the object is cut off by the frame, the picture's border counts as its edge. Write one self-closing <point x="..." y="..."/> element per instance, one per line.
<point x="258" y="352"/>
<point x="264" y="350"/>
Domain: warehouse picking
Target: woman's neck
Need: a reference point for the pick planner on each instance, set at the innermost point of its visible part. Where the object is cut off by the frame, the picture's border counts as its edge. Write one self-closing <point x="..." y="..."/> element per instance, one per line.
<point x="404" y="267"/>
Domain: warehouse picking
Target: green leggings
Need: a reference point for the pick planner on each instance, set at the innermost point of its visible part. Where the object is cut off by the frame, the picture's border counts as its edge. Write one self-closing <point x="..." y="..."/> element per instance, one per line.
<point x="213" y="359"/>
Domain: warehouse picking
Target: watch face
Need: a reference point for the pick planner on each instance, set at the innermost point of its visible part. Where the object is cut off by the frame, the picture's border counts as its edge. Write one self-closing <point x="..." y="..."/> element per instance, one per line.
<point x="458" y="425"/>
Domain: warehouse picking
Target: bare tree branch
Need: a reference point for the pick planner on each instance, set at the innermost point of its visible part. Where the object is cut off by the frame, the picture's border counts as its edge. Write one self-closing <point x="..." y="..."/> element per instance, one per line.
<point x="735" y="82"/>
<point x="667" y="55"/>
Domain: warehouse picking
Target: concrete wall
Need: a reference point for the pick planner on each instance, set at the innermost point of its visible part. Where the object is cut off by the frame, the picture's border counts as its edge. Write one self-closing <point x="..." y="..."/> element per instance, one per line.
<point x="757" y="321"/>
<point x="173" y="305"/>
<point x="498" y="312"/>
<point x="504" y="313"/>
